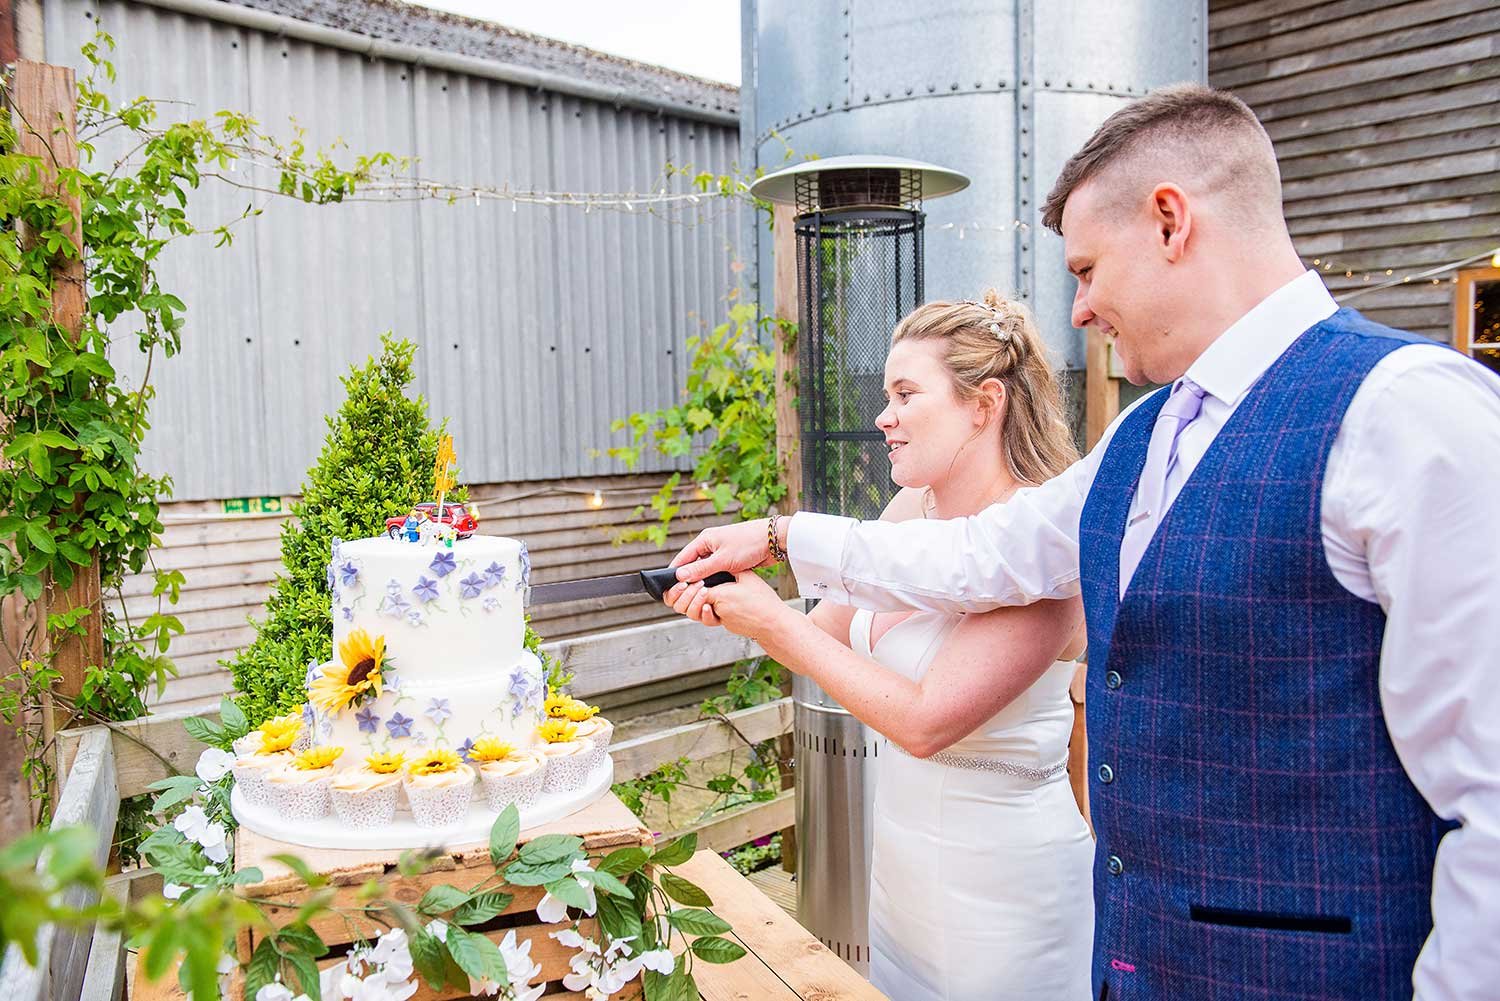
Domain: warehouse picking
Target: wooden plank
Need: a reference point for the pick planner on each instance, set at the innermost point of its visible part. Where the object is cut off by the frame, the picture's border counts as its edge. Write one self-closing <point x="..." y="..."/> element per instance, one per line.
<point x="104" y="977"/>
<point x="746" y="823"/>
<point x="44" y="108"/>
<point x="1101" y="390"/>
<point x="89" y="797"/>
<point x="1415" y="192"/>
<point x="1482" y="228"/>
<point x="1456" y="119"/>
<point x="1389" y="39"/>
<point x="1412" y="106"/>
<point x="694" y="741"/>
<point x="1328" y="34"/>
<point x="777" y="884"/>
<point x="628" y="657"/>
<point x="802" y="962"/>
<point x="1457" y="53"/>
<point x="1485" y="161"/>
<point x="1271" y="16"/>
<point x="1375" y="88"/>
<point x="1345" y="161"/>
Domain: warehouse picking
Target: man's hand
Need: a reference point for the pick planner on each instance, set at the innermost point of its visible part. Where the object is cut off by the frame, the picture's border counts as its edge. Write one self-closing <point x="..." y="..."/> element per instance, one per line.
<point x="737" y="547"/>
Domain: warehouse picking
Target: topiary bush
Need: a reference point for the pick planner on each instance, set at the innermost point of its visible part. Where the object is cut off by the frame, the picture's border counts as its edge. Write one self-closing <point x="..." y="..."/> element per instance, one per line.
<point x="377" y="461"/>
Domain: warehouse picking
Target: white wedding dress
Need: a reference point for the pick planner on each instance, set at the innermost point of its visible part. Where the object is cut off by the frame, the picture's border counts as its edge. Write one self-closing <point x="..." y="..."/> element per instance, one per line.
<point x="981" y="883"/>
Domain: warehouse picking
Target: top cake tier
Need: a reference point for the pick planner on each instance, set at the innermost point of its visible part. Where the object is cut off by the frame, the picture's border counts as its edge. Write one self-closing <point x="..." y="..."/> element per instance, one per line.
<point x="442" y="610"/>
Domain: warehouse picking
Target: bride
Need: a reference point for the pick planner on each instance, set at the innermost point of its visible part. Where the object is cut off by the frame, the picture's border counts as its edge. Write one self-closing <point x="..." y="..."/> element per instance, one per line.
<point x="981" y="880"/>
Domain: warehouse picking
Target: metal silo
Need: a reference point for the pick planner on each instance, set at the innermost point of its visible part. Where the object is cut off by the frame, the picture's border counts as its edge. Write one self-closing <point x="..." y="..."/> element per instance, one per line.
<point x="1001" y="91"/>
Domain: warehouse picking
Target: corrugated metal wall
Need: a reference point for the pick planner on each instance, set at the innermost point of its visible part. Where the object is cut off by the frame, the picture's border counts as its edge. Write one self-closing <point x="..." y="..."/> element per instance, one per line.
<point x="538" y="326"/>
<point x="1386" y="120"/>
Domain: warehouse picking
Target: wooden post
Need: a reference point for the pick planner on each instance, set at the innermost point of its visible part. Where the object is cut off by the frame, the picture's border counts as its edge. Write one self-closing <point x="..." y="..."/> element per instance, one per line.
<point x="1101" y="392"/>
<point x="44" y="107"/>
<point x="789" y="447"/>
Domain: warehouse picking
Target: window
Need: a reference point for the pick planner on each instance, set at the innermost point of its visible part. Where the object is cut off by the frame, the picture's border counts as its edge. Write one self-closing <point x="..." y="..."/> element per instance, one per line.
<point x="1476" y="318"/>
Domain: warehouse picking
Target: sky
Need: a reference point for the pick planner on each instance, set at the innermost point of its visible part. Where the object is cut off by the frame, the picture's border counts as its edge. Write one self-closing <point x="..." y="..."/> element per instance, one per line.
<point x="701" y="37"/>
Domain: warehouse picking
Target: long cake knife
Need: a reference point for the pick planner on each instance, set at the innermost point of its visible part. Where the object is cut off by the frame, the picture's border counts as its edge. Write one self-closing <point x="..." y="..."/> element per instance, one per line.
<point x="652" y="582"/>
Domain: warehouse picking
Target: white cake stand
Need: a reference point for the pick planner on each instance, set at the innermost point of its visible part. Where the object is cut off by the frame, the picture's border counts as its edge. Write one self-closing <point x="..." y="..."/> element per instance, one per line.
<point x="404" y="832"/>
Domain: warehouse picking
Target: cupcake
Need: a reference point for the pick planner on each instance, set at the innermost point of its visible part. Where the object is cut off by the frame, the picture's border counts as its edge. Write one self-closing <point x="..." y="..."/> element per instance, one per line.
<point x="366" y="796"/>
<point x="280" y="733"/>
<point x="591" y="726"/>
<point x="300" y="790"/>
<point x="569" y="760"/>
<point x="509" y="775"/>
<point x="439" y="787"/>
<point x="251" y="771"/>
<point x="263" y="751"/>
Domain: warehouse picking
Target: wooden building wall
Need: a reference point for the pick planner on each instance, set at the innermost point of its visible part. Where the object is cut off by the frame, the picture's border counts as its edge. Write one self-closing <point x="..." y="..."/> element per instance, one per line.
<point x="230" y="562"/>
<point x="1386" y="121"/>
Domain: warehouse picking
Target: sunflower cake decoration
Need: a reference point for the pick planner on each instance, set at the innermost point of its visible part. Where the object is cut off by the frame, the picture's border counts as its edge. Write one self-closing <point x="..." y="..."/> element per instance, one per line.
<point x="354" y="677"/>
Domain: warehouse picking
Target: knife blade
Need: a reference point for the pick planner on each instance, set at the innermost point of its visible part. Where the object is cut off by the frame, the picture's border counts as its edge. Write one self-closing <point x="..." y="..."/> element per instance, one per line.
<point x="652" y="582"/>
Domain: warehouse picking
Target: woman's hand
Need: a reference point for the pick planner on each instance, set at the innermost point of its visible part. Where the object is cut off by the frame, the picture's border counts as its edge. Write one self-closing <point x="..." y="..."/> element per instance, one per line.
<point x="748" y="607"/>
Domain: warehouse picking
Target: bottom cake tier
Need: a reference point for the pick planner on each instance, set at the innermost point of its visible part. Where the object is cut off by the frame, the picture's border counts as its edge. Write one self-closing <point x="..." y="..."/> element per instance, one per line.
<point x="472" y="827"/>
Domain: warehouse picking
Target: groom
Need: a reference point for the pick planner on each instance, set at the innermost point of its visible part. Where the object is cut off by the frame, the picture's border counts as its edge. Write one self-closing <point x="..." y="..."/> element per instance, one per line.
<point x="1288" y="562"/>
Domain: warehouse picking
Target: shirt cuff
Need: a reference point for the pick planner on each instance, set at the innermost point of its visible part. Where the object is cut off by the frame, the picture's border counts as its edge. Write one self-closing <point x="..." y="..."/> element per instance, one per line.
<point x="815" y="551"/>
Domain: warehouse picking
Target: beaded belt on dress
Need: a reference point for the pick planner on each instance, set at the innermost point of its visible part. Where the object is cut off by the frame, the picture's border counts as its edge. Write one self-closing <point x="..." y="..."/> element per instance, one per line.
<point x="1012" y="768"/>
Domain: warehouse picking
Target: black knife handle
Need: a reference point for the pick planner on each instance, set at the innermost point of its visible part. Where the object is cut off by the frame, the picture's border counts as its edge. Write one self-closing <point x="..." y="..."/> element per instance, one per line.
<point x="659" y="582"/>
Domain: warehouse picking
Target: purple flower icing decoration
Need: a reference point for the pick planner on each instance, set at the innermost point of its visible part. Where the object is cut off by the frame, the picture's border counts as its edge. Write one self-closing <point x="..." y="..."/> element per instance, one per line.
<point x="465" y="748"/>
<point x="443" y="563"/>
<point x="394" y="605"/>
<point x="520" y="684"/>
<point x="312" y="672"/>
<point x="493" y="575"/>
<point x="392" y="683"/>
<point x="308" y="715"/>
<point x="348" y="573"/>
<point x="525" y="569"/>
<point x="399" y="725"/>
<point x="492" y="604"/>
<point x="426" y="589"/>
<point x="368" y="721"/>
<point x="348" y="613"/>
<point x="393" y="586"/>
<point x="414" y="617"/>
<point x="337" y="543"/>
<point x="470" y="586"/>
<point x="332" y="581"/>
<point x="438" y="710"/>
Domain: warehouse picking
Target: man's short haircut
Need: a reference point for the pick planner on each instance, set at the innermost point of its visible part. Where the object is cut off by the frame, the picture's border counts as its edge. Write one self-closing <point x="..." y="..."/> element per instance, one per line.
<point x="1206" y="140"/>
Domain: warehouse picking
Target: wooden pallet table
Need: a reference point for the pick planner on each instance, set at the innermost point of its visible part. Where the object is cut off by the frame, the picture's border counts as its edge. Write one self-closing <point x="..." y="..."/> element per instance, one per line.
<point x="604" y="826"/>
<point x="785" y="962"/>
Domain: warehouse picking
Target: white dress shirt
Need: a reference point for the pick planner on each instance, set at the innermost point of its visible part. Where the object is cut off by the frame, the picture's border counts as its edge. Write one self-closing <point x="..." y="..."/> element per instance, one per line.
<point x="1408" y="494"/>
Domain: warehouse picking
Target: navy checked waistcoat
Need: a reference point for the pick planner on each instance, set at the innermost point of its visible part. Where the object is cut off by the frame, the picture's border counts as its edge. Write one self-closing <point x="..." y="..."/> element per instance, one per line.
<point x="1257" y="836"/>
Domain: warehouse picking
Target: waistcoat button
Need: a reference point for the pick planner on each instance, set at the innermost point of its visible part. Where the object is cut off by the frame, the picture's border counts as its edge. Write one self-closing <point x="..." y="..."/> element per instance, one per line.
<point x="1106" y="774"/>
<point x="1115" y="865"/>
<point x="1113" y="679"/>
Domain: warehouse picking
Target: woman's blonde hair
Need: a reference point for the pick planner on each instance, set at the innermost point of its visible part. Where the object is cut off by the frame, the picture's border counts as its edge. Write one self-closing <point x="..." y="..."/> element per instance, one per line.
<point x="998" y="339"/>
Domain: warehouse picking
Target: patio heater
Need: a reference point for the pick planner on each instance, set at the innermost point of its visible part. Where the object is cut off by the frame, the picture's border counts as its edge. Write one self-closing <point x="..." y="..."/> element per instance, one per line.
<point x="859" y="270"/>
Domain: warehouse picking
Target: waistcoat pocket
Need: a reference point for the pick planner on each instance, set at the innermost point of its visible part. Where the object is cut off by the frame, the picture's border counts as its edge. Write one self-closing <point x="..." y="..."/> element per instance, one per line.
<point x="1328" y="924"/>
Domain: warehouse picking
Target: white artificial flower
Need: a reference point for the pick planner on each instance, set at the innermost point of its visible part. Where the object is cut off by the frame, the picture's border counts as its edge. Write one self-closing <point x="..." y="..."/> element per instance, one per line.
<point x="192" y="822"/>
<point x="172" y="891"/>
<point x="274" y="992"/>
<point x="551" y="910"/>
<point x="438" y="928"/>
<point x="518" y="963"/>
<point x="213" y="764"/>
<point x="660" y="960"/>
<point x="218" y="851"/>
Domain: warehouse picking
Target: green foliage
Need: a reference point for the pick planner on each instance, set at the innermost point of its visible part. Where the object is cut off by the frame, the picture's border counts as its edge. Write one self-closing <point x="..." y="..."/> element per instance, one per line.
<point x="72" y="488"/>
<point x="756" y="855"/>
<point x="377" y="461"/>
<point x="726" y="422"/>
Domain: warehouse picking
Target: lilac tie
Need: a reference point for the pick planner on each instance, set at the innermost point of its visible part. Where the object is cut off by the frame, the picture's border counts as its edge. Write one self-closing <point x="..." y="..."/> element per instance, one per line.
<point x="1180" y="410"/>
